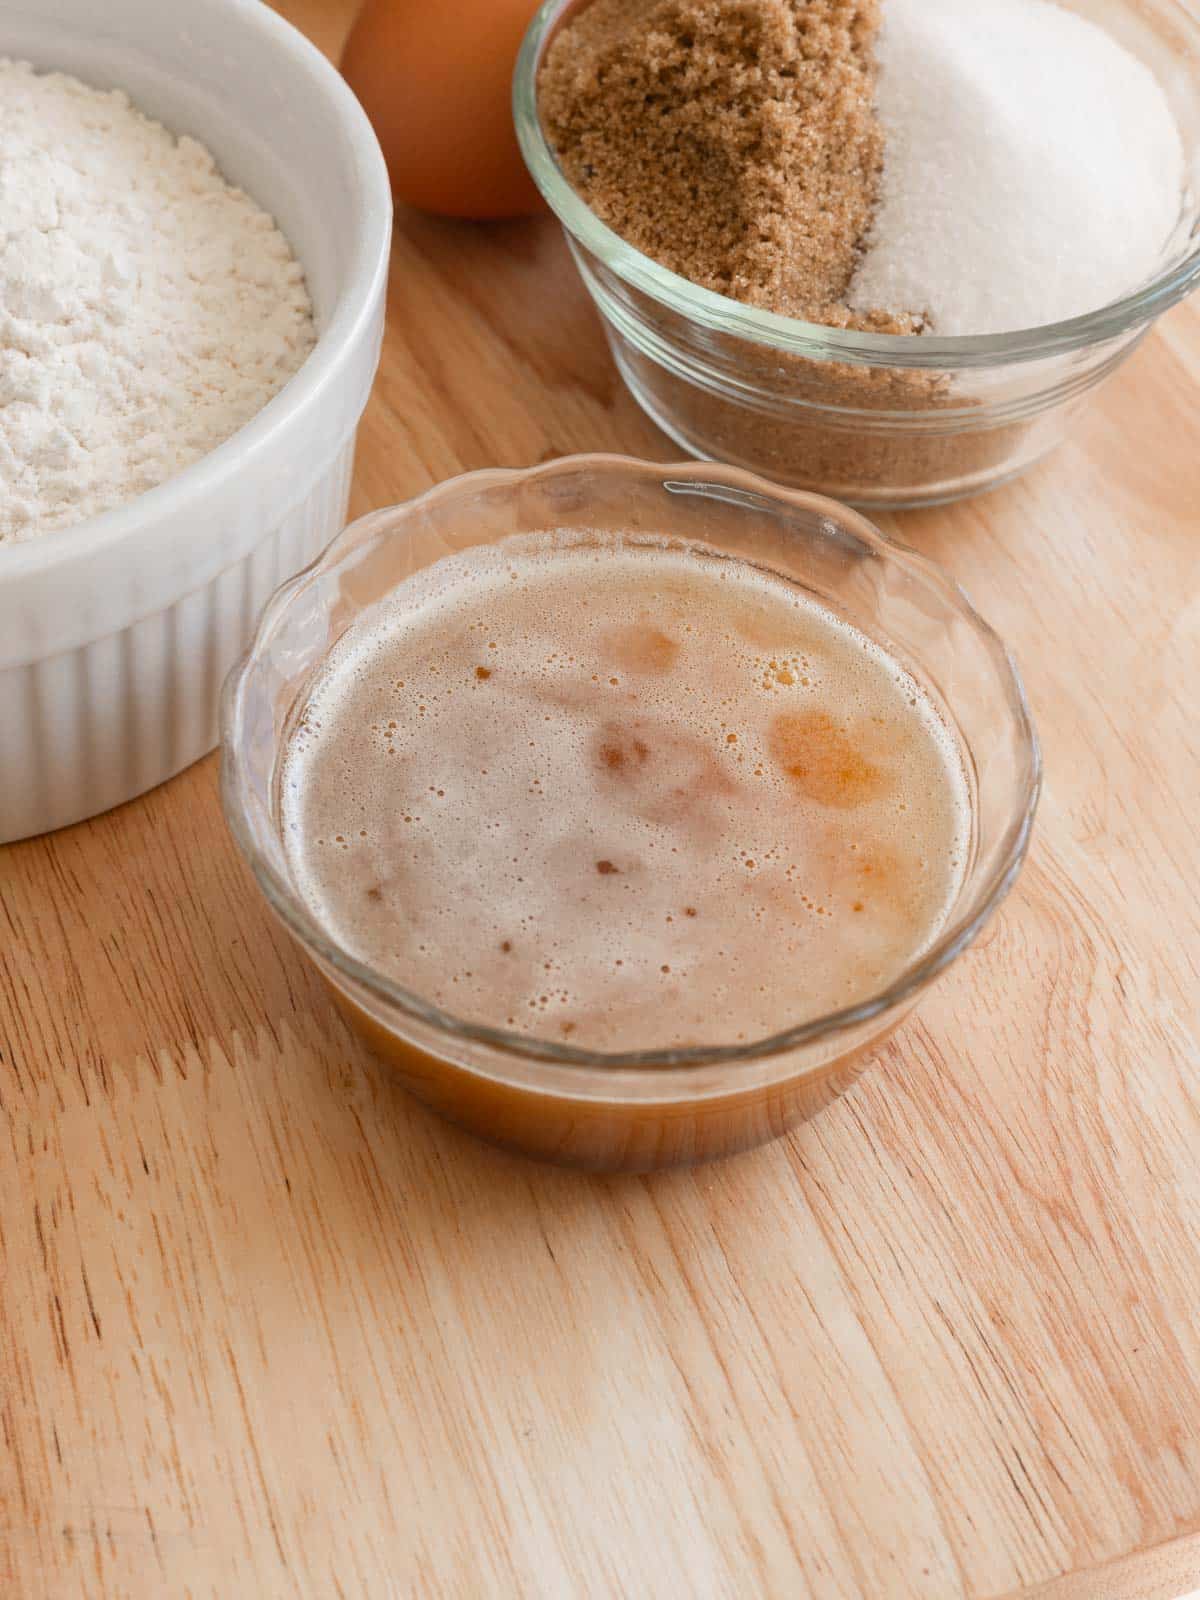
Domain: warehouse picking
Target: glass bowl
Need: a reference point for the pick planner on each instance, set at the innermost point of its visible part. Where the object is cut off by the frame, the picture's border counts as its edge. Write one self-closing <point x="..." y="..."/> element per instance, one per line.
<point x="882" y="420"/>
<point x="655" y="1107"/>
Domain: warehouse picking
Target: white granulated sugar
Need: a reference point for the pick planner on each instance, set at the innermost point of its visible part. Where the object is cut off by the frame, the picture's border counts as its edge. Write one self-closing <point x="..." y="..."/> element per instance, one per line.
<point x="147" y="308"/>
<point x="1033" y="169"/>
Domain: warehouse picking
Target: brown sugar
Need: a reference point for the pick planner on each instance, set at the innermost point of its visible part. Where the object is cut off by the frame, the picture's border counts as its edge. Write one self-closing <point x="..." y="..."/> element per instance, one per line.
<point x="734" y="141"/>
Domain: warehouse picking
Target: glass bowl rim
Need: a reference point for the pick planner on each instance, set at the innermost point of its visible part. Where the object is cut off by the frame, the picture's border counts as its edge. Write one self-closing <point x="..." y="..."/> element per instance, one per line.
<point x="916" y="976"/>
<point x="717" y="313"/>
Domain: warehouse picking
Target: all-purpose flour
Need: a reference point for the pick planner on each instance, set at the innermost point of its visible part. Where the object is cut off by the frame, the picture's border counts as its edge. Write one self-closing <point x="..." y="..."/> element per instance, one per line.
<point x="147" y="308"/>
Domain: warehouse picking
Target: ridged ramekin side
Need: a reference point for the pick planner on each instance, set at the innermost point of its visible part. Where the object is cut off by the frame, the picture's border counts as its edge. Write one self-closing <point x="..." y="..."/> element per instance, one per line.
<point x="88" y="729"/>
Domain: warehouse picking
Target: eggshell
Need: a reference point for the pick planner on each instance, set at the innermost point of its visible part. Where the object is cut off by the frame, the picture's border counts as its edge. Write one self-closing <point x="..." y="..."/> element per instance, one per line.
<point x="435" y="77"/>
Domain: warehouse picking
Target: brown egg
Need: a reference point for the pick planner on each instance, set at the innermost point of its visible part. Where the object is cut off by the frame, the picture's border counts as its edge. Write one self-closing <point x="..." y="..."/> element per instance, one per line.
<point x="435" y="77"/>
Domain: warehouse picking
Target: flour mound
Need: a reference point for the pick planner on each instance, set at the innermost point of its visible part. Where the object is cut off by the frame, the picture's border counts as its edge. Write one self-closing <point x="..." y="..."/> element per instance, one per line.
<point x="147" y="308"/>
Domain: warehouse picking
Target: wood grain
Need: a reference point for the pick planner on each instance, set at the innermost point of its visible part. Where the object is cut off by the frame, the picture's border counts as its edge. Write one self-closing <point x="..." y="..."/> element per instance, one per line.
<point x="268" y="1328"/>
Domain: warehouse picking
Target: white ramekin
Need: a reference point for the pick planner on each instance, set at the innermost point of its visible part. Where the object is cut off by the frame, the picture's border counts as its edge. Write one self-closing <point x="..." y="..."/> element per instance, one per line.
<point x="116" y="634"/>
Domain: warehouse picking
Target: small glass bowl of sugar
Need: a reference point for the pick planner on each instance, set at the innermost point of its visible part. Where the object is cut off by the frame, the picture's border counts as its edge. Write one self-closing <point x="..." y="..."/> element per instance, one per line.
<point x="897" y="420"/>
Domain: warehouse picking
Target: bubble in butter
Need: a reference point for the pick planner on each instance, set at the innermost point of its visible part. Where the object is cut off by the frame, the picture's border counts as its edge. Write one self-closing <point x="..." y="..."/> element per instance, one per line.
<point x="436" y="81"/>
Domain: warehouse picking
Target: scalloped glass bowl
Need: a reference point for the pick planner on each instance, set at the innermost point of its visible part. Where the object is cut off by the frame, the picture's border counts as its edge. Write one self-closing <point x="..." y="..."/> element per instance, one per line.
<point x="658" y="1107"/>
<point x="878" y="420"/>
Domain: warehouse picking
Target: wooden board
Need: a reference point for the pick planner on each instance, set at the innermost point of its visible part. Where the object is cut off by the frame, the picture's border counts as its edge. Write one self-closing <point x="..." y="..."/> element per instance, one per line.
<point x="268" y="1328"/>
